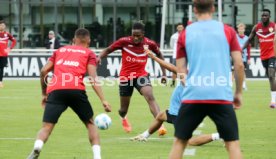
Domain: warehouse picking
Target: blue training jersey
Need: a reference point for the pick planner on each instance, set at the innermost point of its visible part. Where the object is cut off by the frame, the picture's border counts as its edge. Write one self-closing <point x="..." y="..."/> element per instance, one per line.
<point x="208" y="56"/>
<point x="176" y="98"/>
<point x="242" y="42"/>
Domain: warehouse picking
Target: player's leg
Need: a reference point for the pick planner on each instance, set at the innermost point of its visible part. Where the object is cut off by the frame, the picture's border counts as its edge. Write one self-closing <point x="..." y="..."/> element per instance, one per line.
<point x="143" y="85"/>
<point x="226" y="122"/>
<point x="173" y="74"/>
<point x="233" y="149"/>
<point x="3" y="63"/>
<point x="80" y="104"/>
<point x="1" y="76"/>
<point x="178" y="148"/>
<point x="155" y="125"/>
<point x="244" y="81"/>
<point x="126" y="90"/>
<point x="189" y="117"/>
<point x="272" y="80"/>
<point x="55" y="106"/>
<point x="203" y="139"/>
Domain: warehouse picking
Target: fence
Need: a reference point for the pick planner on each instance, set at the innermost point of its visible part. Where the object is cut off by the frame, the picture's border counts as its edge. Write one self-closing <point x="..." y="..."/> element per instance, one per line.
<point x="26" y="64"/>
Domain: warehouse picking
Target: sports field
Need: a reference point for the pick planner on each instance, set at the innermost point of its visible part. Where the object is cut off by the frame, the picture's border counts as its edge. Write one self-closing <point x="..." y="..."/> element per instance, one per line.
<point x="21" y="114"/>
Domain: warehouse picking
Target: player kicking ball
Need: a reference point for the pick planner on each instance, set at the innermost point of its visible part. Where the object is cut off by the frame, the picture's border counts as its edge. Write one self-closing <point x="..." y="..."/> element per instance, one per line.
<point x="170" y="114"/>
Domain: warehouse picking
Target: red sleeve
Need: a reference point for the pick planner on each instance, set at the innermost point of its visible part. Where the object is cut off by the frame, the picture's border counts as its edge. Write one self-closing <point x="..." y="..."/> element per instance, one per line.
<point x="92" y="59"/>
<point x="248" y="52"/>
<point x="232" y="38"/>
<point x="53" y="57"/>
<point x="181" y="48"/>
<point x="117" y="44"/>
<point x="11" y="38"/>
<point x="154" y="48"/>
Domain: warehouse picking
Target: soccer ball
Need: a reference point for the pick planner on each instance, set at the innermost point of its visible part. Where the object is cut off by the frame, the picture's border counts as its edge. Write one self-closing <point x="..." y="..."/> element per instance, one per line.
<point x="103" y="121"/>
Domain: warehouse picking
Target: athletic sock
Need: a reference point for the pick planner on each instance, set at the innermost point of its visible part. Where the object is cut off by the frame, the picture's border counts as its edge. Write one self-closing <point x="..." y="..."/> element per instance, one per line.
<point x="146" y="134"/>
<point x="273" y="96"/>
<point x="96" y="151"/>
<point x="215" y="136"/>
<point x="244" y="85"/>
<point x="38" y="145"/>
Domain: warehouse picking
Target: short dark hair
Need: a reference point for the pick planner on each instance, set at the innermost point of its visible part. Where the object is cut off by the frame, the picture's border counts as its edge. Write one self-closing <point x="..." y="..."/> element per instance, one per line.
<point x="2" y="21"/>
<point x="266" y="10"/>
<point x="81" y="33"/>
<point x="139" y="25"/>
<point x="203" y="6"/>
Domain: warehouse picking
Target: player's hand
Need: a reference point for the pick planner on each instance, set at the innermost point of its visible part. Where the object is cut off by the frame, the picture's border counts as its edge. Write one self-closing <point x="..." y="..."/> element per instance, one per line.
<point x="237" y="101"/>
<point x="182" y="77"/>
<point x="248" y="62"/>
<point x="164" y="80"/>
<point x="43" y="101"/>
<point x="149" y="53"/>
<point x="106" y="106"/>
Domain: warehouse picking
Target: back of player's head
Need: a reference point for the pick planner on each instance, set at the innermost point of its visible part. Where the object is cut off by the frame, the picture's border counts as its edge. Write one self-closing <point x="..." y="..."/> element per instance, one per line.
<point x="82" y="34"/>
<point x="266" y="10"/>
<point x="203" y="6"/>
<point x="138" y="25"/>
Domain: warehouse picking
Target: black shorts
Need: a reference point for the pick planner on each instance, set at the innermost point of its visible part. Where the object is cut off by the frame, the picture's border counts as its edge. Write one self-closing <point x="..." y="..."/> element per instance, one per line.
<point x="59" y="100"/>
<point x="191" y="115"/>
<point x="126" y="88"/>
<point x="245" y="65"/>
<point x="269" y="63"/>
<point x="3" y="62"/>
<point x="170" y="118"/>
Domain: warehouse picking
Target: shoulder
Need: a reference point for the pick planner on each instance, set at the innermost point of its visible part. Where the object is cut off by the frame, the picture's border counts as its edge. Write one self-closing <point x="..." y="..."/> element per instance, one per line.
<point x="149" y="41"/>
<point x="124" y="39"/>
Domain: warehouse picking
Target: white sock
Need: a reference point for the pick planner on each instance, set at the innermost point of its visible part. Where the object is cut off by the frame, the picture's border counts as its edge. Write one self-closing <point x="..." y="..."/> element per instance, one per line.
<point x="96" y="151"/>
<point x="38" y="145"/>
<point x="273" y="96"/>
<point x="243" y="84"/>
<point x="215" y="136"/>
<point x="146" y="134"/>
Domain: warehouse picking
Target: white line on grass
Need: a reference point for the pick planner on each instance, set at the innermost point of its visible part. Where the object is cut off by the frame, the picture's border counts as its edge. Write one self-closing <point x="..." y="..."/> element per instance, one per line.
<point x="189" y="152"/>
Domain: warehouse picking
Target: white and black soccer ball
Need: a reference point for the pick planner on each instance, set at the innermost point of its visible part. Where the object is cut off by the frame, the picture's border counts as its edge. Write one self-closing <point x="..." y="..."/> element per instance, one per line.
<point x="103" y="121"/>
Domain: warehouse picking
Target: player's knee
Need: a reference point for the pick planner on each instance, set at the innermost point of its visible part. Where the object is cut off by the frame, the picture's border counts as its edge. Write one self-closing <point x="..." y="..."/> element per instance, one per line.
<point x="161" y="116"/>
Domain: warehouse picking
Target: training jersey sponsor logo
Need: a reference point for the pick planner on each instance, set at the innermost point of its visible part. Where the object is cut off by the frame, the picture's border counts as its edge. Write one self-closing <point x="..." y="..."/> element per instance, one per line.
<point x="71" y="63"/>
<point x="72" y="50"/>
<point x="130" y="45"/>
<point x="270" y="29"/>
<point x="129" y="59"/>
<point x="266" y="40"/>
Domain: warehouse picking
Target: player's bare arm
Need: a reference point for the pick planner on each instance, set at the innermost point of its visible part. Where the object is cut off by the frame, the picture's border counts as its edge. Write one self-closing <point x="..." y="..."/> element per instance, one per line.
<point x="43" y="81"/>
<point x="104" y="54"/>
<point x="181" y="66"/>
<point x="239" y="76"/>
<point x="250" y="37"/>
<point x="162" y="63"/>
<point x="92" y="72"/>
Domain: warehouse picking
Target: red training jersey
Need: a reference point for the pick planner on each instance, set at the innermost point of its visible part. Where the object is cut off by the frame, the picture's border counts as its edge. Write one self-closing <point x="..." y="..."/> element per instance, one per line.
<point x="266" y="35"/>
<point x="134" y="58"/>
<point x="5" y="37"/>
<point x="70" y="65"/>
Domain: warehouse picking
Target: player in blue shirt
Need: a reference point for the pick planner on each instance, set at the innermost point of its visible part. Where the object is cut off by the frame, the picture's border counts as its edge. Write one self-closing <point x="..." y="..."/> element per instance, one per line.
<point x="170" y="114"/>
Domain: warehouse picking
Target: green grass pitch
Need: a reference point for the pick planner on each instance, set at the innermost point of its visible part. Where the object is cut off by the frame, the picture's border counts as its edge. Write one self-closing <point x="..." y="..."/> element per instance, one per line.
<point x="21" y="114"/>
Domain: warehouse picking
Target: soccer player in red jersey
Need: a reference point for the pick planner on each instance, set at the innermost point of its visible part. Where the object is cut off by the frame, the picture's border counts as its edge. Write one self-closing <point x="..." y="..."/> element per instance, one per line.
<point x="70" y="63"/>
<point x="265" y="31"/>
<point x="133" y="74"/>
<point x="5" y="37"/>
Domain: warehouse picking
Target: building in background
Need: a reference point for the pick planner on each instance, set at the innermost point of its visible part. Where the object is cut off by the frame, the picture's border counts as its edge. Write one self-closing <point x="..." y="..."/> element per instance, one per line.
<point x="30" y="20"/>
